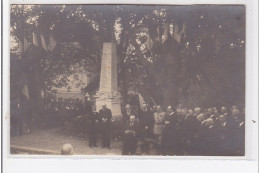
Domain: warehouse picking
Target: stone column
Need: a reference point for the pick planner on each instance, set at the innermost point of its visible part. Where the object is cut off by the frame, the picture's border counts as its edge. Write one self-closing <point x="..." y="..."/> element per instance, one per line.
<point x="108" y="91"/>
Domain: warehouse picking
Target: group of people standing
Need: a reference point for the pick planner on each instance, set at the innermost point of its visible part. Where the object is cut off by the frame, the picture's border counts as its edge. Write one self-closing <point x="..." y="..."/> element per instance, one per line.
<point x="179" y="131"/>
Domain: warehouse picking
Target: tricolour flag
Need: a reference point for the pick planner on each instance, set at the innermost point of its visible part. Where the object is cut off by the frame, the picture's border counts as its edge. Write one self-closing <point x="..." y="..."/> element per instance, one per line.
<point x="20" y="47"/>
<point x="141" y="99"/>
<point x="25" y="44"/>
<point x="149" y="42"/>
<point x="44" y="46"/>
<point x="35" y="40"/>
<point x="165" y="33"/>
<point x="25" y="91"/>
<point x="52" y="43"/>
<point x="178" y="35"/>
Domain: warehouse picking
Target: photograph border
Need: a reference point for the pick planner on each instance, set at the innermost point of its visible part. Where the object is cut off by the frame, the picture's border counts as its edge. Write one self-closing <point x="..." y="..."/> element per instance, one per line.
<point x="251" y="152"/>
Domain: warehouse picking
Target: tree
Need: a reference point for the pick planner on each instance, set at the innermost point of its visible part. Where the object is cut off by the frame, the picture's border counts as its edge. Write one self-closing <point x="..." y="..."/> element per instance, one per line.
<point x="169" y="54"/>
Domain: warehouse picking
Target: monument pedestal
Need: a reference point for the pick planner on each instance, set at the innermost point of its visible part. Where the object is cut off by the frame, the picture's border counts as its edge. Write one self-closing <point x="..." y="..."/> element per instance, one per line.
<point x="112" y="101"/>
<point x="108" y="88"/>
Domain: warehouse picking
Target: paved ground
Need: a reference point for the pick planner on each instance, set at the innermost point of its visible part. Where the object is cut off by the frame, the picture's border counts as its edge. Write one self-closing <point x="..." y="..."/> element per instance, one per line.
<point x="52" y="139"/>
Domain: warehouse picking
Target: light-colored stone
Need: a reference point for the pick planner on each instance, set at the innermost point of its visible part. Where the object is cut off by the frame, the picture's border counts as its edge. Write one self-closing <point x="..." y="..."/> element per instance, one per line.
<point x="108" y="89"/>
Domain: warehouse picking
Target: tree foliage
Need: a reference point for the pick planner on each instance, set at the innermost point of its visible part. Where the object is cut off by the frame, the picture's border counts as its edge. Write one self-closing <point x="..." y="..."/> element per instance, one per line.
<point x="197" y="55"/>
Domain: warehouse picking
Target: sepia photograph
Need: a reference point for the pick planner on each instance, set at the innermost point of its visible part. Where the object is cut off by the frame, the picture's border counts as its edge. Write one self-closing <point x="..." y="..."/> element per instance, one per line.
<point x="139" y="80"/>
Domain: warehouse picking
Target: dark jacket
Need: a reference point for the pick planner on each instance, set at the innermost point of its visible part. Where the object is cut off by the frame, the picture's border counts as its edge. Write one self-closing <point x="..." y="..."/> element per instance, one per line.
<point x="93" y="120"/>
<point x="146" y="119"/>
<point x="105" y="116"/>
<point x="126" y="115"/>
<point x="131" y="133"/>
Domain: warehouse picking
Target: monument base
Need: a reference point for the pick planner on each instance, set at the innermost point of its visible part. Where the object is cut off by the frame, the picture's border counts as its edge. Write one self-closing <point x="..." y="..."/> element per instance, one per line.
<point x="111" y="100"/>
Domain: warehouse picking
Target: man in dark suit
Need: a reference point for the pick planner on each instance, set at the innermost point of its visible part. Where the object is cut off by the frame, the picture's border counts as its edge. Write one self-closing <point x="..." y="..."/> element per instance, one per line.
<point x="171" y="133"/>
<point x="93" y="122"/>
<point x="128" y="112"/>
<point x="106" y="116"/>
<point x="208" y="143"/>
<point x="236" y="133"/>
<point x="146" y="121"/>
<point x="130" y="136"/>
<point x="221" y="135"/>
<point x="189" y="129"/>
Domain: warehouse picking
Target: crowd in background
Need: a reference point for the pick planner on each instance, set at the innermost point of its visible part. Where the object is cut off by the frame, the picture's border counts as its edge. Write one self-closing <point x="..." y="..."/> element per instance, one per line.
<point x="173" y="131"/>
<point x="55" y="113"/>
<point x="183" y="131"/>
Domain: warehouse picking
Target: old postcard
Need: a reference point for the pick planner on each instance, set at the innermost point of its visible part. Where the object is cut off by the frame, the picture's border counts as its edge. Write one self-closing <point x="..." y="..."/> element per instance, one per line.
<point x="141" y="80"/>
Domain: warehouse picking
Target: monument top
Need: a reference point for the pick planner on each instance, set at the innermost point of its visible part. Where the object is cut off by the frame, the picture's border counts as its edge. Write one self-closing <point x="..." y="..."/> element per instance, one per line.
<point x="108" y="77"/>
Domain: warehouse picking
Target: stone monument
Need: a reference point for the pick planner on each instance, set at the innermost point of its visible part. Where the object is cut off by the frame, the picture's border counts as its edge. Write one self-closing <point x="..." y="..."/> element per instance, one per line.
<point x="108" y="91"/>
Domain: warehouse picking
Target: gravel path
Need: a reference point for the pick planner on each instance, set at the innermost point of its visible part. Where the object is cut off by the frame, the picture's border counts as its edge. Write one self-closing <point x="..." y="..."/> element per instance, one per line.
<point x="52" y="140"/>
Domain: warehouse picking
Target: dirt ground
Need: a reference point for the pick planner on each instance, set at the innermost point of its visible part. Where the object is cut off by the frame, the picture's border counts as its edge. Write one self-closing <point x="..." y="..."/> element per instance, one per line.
<point x="52" y="139"/>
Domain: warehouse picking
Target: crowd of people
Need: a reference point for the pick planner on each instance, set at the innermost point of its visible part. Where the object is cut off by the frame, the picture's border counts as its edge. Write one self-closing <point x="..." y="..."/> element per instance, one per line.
<point x="179" y="131"/>
<point x="55" y="113"/>
<point x="149" y="130"/>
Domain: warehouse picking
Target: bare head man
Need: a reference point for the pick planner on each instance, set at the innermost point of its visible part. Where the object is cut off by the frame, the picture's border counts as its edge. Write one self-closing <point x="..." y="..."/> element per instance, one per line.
<point x="67" y="149"/>
<point x="235" y="112"/>
<point x="159" y="108"/>
<point x="210" y="111"/>
<point x="201" y="117"/>
<point x="169" y="110"/>
<point x="197" y="110"/>
<point x="223" y="110"/>
<point x="144" y="106"/>
<point x="132" y="119"/>
<point x="222" y="118"/>
<point x="209" y="122"/>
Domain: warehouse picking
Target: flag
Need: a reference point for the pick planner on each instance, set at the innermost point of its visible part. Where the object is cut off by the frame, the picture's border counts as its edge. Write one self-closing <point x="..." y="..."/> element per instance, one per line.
<point x="25" y="91"/>
<point x="20" y="47"/>
<point x="141" y="99"/>
<point x="52" y="43"/>
<point x="149" y="42"/>
<point x="166" y="32"/>
<point x="25" y="44"/>
<point x="43" y="43"/>
<point x="177" y="35"/>
<point x="157" y="38"/>
<point x="35" y="40"/>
